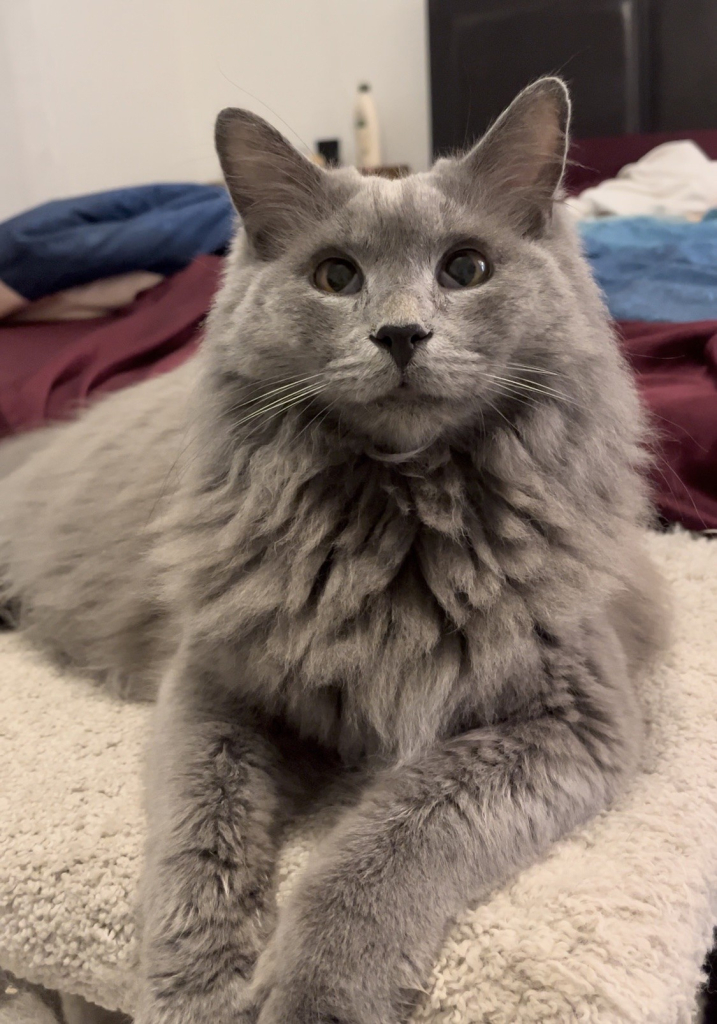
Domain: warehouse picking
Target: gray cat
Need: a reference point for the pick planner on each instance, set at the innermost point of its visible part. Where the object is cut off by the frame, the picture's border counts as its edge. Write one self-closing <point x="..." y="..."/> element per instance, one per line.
<point x="389" y="518"/>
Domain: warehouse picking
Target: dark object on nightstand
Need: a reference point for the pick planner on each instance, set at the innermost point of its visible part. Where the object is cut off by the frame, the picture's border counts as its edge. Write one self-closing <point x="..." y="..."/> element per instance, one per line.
<point x="329" y="149"/>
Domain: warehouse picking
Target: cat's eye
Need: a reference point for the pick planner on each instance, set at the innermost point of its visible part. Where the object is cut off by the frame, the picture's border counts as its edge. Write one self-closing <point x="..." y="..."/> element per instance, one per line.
<point x="338" y="276"/>
<point x="463" y="268"/>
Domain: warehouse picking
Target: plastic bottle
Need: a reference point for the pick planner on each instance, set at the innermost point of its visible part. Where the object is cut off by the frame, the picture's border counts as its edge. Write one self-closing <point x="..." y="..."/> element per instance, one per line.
<point x="368" y="143"/>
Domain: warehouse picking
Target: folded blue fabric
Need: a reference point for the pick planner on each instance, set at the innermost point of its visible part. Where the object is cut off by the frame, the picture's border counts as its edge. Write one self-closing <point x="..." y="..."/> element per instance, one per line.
<point x="68" y="242"/>
<point x="655" y="269"/>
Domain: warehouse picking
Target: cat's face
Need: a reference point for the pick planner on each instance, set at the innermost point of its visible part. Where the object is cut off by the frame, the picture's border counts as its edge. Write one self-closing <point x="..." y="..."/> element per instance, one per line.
<point x="404" y="307"/>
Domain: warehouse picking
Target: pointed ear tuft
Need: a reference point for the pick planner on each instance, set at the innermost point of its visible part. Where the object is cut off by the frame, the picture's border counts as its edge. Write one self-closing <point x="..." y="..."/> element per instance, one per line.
<point x="274" y="188"/>
<point x="520" y="161"/>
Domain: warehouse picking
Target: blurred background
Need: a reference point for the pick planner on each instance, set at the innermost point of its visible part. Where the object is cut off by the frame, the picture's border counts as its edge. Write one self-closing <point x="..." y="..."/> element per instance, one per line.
<point x="96" y="94"/>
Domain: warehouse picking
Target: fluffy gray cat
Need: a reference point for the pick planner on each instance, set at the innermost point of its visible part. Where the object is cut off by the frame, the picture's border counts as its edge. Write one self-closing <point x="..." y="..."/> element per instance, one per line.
<point x="389" y="518"/>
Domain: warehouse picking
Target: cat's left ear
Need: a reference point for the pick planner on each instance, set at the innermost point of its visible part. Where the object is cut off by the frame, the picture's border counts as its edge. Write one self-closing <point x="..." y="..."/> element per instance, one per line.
<point x="519" y="163"/>
<point x="275" y="189"/>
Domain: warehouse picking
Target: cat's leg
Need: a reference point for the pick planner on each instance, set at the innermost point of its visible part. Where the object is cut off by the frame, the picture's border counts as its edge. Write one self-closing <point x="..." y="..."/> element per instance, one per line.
<point x="216" y="800"/>
<point x="358" y="939"/>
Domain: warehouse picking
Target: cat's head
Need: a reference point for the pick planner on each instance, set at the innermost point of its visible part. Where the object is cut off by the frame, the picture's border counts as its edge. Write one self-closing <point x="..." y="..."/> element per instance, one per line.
<point x="408" y="308"/>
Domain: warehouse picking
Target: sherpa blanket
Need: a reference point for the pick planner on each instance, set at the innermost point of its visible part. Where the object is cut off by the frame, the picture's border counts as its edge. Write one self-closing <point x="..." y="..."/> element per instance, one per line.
<point x="611" y="929"/>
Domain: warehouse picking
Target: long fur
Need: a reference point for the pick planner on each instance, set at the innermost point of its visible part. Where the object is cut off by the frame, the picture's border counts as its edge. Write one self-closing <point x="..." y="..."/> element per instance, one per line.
<point x="445" y="587"/>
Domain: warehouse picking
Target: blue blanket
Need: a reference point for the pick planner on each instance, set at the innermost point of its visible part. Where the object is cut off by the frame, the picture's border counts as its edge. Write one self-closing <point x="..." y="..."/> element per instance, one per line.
<point x="649" y="269"/>
<point x="69" y="242"/>
<point x="653" y="269"/>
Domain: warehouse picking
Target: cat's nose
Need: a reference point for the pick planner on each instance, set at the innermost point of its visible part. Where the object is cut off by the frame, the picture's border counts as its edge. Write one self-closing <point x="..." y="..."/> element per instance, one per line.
<point x="400" y="340"/>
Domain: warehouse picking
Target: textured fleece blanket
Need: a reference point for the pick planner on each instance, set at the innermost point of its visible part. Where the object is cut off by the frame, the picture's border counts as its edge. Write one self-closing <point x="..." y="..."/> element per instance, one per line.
<point x="610" y="929"/>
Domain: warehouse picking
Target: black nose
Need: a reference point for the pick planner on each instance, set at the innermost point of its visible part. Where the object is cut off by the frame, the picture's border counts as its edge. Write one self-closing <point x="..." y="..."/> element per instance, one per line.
<point x="400" y="341"/>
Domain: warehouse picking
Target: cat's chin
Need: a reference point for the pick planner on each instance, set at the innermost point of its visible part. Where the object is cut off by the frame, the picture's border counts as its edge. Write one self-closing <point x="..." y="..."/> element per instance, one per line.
<point x="397" y="430"/>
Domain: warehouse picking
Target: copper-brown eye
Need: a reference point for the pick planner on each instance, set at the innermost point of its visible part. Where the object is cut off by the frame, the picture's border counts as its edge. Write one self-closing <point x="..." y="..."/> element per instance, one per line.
<point x="464" y="268"/>
<point x="338" y="277"/>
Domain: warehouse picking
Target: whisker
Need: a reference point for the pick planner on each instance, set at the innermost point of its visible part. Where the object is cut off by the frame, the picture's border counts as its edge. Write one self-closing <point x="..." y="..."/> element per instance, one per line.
<point x="275" y="391"/>
<point x="542" y="389"/>
<point x="522" y="399"/>
<point x="517" y="393"/>
<point x="283" y="405"/>
<point x="679" y="426"/>
<point x="496" y="409"/>
<point x="285" y="402"/>
<point x="254" y="382"/>
<point x="525" y="385"/>
<point x="533" y="369"/>
<point x="534" y="385"/>
<point x="685" y="488"/>
<point x="314" y="418"/>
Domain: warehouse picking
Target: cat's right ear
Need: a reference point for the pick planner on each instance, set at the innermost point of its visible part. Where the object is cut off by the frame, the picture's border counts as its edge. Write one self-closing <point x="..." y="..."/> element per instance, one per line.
<point x="274" y="188"/>
<point x="518" y="164"/>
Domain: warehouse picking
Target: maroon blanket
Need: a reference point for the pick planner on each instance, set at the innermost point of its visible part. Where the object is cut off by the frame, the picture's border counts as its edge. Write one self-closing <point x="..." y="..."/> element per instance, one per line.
<point x="48" y="369"/>
<point x="592" y="160"/>
<point x="676" y="370"/>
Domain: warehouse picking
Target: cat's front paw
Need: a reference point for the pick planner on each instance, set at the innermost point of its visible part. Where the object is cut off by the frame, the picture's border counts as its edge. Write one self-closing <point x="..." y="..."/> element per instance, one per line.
<point x="281" y="991"/>
<point x="337" y="955"/>
<point x="228" y="1005"/>
<point x="302" y="1005"/>
<point x="315" y="987"/>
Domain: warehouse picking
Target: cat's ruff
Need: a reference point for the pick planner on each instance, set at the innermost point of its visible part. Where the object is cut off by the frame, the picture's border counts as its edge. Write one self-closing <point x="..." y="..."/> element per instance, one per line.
<point x="610" y="929"/>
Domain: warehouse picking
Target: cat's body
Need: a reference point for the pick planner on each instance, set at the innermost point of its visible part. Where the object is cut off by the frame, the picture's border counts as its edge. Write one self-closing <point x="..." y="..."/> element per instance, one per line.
<point x="444" y="582"/>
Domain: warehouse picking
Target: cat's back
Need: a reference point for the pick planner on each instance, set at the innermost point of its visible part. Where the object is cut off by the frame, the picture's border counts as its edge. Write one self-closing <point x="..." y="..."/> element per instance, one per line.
<point x="74" y="525"/>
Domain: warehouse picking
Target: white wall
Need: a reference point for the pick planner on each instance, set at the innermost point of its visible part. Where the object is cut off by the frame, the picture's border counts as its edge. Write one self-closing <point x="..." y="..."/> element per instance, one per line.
<point x="96" y="94"/>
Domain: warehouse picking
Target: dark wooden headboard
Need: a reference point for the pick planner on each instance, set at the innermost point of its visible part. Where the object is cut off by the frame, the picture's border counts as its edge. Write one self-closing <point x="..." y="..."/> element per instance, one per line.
<point x="633" y="65"/>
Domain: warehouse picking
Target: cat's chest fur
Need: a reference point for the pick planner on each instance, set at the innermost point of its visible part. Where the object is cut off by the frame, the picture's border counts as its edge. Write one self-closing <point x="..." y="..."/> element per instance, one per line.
<point x="361" y="598"/>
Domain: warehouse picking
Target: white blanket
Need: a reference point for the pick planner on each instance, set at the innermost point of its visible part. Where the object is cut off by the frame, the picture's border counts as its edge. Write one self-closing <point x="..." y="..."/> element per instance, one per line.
<point x="610" y="929"/>
<point x="675" y="179"/>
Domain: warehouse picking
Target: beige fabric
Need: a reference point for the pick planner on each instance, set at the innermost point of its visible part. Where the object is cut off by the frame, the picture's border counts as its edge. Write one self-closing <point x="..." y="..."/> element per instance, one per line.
<point x="611" y="929"/>
<point x="675" y="179"/>
<point x="87" y="301"/>
<point x="10" y="300"/>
